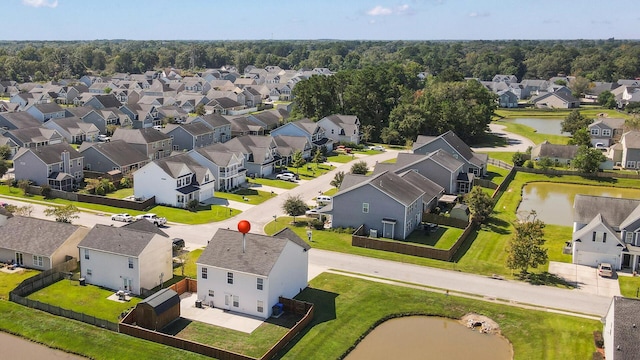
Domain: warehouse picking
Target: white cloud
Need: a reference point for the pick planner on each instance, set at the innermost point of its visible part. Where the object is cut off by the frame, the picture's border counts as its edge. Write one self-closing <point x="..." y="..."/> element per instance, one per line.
<point x="41" y="3"/>
<point x="475" y="14"/>
<point x="384" y="11"/>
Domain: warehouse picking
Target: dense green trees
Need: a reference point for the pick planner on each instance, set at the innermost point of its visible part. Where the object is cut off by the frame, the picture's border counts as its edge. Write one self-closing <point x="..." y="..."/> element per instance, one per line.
<point x="575" y="121"/>
<point x="526" y="248"/>
<point x="588" y="159"/>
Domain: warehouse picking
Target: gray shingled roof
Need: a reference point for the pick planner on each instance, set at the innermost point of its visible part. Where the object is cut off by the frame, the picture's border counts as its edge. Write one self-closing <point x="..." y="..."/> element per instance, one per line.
<point x="48" y="108"/>
<point x="224" y="250"/>
<point x="197" y="128"/>
<point x="631" y="139"/>
<point x="387" y="182"/>
<point x="50" y="154"/>
<point x="215" y="120"/>
<point x="35" y="236"/>
<point x="21" y="119"/>
<point x="430" y="188"/>
<point x="406" y="160"/>
<point x="626" y="328"/>
<point x="557" y="151"/>
<point x="108" y="100"/>
<point x="216" y="154"/>
<point x="163" y="300"/>
<point x="614" y="210"/>
<point x="145" y="225"/>
<point x="118" y="151"/>
<point x="117" y="240"/>
<point x="139" y="136"/>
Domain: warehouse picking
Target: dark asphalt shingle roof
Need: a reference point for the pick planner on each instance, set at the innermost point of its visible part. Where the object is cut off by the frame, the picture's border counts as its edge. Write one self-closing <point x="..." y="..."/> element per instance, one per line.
<point x="34" y="236"/>
<point x="614" y="210"/>
<point x="163" y="300"/>
<point x="50" y="154"/>
<point x="225" y="251"/>
<point x="145" y="225"/>
<point x="118" y="151"/>
<point x="139" y="136"/>
<point x="21" y="119"/>
<point x="626" y="328"/>
<point x="117" y="240"/>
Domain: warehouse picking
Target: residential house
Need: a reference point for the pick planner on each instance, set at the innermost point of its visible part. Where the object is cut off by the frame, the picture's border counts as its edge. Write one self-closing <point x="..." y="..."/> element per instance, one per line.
<point x="253" y="98"/>
<point x="451" y="143"/>
<point x="242" y="126"/>
<point x="18" y="120"/>
<point x="113" y="155"/>
<point x="142" y="115"/>
<point x="507" y="99"/>
<point x="120" y="258"/>
<point x="288" y="145"/>
<point x="45" y="112"/>
<point x="226" y="166"/>
<point x="606" y="131"/>
<point x="22" y="99"/>
<point x="559" y="154"/>
<point x="307" y="128"/>
<point x="341" y="128"/>
<point x="268" y="119"/>
<point x="60" y="166"/>
<point x="100" y="102"/>
<point x="6" y="106"/>
<point x="260" y="153"/>
<point x="13" y="146"/>
<point x="438" y="166"/>
<point x="153" y="143"/>
<point x="34" y="137"/>
<point x="606" y="230"/>
<point x="189" y="136"/>
<point x="630" y="143"/>
<point x="248" y="273"/>
<point x="224" y="106"/>
<point x="174" y="181"/>
<point x="219" y="124"/>
<point x="74" y="130"/>
<point x="173" y="114"/>
<point x="432" y="191"/>
<point x="385" y="203"/>
<point x="37" y="243"/>
<point x="556" y="100"/>
<point x="621" y="332"/>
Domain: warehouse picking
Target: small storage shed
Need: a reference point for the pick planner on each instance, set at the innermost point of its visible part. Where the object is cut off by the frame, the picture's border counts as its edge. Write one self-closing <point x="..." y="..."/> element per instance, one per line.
<point x="158" y="310"/>
<point x="460" y="211"/>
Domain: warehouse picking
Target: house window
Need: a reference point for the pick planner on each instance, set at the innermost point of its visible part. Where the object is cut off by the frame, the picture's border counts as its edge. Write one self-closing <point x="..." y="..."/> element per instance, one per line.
<point x="260" y="306"/>
<point x="595" y="131"/>
<point x="130" y="263"/>
<point x="593" y="238"/>
<point x="176" y="147"/>
<point x="211" y="293"/>
<point x="37" y="261"/>
<point x="629" y="237"/>
<point x="89" y="272"/>
<point x="604" y="237"/>
<point x="331" y="131"/>
<point x="259" y="284"/>
<point x="203" y="273"/>
<point x="631" y="164"/>
<point x="606" y="132"/>
<point x="230" y="278"/>
<point x="236" y="301"/>
<point x="86" y="254"/>
<point x="365" y="208"/>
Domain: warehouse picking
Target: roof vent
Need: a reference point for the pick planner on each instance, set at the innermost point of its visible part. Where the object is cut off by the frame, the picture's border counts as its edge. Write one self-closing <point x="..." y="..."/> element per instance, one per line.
<point x="634" y="326"/>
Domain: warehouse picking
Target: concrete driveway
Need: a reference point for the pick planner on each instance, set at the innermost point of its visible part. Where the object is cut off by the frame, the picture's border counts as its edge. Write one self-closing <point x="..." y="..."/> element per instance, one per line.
<point x="586" y="279"/>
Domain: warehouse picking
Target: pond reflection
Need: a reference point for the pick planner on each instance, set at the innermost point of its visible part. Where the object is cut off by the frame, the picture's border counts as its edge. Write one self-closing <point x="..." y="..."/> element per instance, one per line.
<point x="541" y="125"/>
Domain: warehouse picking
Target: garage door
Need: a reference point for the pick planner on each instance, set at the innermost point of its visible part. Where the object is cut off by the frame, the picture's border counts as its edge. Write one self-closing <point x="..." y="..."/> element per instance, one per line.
<point x="593" y="259"/>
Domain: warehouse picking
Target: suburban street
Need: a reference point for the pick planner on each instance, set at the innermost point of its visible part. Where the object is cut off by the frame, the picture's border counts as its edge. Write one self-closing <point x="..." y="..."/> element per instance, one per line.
<point x="319" y="260"/>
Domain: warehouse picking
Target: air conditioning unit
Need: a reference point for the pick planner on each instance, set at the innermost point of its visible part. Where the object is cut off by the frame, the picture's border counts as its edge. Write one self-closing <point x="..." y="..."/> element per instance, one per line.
<point x="373" y="233"/>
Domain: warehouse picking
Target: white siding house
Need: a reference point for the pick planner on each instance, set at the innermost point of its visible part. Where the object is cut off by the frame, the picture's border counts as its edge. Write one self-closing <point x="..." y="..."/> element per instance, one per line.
<point x="125" y="259"/>
<point x="250" y="281"/>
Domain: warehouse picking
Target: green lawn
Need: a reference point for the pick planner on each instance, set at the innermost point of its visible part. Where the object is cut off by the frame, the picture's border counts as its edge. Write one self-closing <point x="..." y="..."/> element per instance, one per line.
<point x="84" y="339"/>
<point x="629" y="286"/>
<point x="330" y="192"/>
<point x="340" y="158"/>
<point x="190" y="268"/>
<point x="91" y="300"/>
<point x="9" y="282"/>
<point x="254" y="197"/>
<point x="311" y="171"/>
<point x="273" y="183"/>
<point x="347" y="307"/>
<point x="531" y="133"/>
<point x="205" y="214"/>
<point x="588" y="111"/>
<point x="443" y="238"/>
<point x="121" y="193"/>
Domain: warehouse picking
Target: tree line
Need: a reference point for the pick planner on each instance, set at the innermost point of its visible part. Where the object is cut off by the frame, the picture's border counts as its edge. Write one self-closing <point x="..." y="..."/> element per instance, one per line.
<point x="595" y="60"/>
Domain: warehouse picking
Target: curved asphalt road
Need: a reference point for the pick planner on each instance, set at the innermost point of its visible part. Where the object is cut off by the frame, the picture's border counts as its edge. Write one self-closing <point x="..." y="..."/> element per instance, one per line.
<point x="515" y="142"/>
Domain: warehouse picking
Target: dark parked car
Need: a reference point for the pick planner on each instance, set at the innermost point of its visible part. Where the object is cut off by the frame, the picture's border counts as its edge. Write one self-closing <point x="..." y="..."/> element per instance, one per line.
<point x="178" y="244"/>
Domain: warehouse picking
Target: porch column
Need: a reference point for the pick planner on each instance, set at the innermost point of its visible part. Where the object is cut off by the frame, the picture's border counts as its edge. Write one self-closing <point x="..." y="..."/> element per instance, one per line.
<point x="634" y="263"/>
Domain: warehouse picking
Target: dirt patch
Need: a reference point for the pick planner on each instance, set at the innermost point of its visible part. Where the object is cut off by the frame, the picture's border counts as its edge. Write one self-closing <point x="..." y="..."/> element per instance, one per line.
<point x="481" y="323"/>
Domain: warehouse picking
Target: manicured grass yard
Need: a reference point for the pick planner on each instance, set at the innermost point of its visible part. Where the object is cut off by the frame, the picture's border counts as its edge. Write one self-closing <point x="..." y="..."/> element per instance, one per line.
<point x="347" y="307"/>
<point x="588" y="111"/>
<point x="273" y="183"/>
<point x="629" y="286"/>
<point x="121" y="193"/>
<point x="443" y="238"/>
<point x="84" y="339"/>
<point x="255" y="196"/>
<point x="91" y="300"/>
<point x="9" y="282"/>
<point x="311" y="171"/>
<point x="340" y="158"/>
<point x="190" y="268"/>
<point x="531" y="133"/>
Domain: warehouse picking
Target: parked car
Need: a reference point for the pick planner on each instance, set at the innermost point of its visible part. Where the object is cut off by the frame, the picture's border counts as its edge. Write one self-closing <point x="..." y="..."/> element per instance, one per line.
<point x="605" y="270"/>
<point x="178" y="244"/>
<point x="157" y="221"/>
<point x="323" y="199"/>
<point x="122" y="217"/>
<point x="103" y="138"/>
<point x="313" y="212"/>
<point x="377" y="148"/>
<point x="286" y="177"/>
<point x="157" y="127"/>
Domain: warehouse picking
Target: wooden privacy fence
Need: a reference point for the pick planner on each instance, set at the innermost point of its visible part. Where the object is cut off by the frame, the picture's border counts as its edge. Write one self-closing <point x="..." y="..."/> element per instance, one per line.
<point x="406" y="248"/>
<point x="444" y="220"/>
<point x="127" y="326"/>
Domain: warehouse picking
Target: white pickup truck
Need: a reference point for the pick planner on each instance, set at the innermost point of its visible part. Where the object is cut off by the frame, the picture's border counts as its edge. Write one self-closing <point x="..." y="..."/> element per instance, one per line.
<point x="157" y="221"/>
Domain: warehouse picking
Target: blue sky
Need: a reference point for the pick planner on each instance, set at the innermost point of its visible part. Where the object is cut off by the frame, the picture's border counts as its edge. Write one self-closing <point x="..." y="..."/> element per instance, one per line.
<point x="319" y="19"/>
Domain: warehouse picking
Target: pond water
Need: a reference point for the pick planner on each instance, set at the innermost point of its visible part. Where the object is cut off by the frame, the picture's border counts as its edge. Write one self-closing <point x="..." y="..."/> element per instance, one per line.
<point x="541" y="125"/>
<point x="428" y="337"/>
<point x="553" y="202"/>
<point x="18" y="348"/>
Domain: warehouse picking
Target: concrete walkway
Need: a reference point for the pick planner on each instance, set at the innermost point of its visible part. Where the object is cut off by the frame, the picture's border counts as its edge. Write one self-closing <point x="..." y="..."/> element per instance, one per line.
<point x="585" y="279"/>
<point x="515" y="142"/>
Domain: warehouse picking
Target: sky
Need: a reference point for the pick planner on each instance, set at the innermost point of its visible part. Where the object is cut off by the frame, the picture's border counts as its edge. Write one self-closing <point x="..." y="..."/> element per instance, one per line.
<point x="319" y="19"/>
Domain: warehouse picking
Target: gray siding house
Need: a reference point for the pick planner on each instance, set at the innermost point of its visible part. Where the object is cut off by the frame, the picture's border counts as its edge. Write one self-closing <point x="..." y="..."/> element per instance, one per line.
<point x="630" y="142"/>
<point x="219" y="124"/>
<point x="113" y="155"/>
<point x="385" y="203"/>
<point x="606" y="131"/>
<point x="451" y="143"/>
<point x="60" y="166"/>
<point x="189" y="136"/>
<point x="151" y="142"/>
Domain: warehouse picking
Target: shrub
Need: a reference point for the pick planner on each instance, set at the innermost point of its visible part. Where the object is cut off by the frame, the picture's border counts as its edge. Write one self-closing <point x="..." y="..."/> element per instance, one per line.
<point x="598" y="339"/>
<point x="528" y="164"/>
<point x="45" y="190"/>
<point x="126" y="182"/>
<point x="192" y="205"/>
<point x="316" y="224"/>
